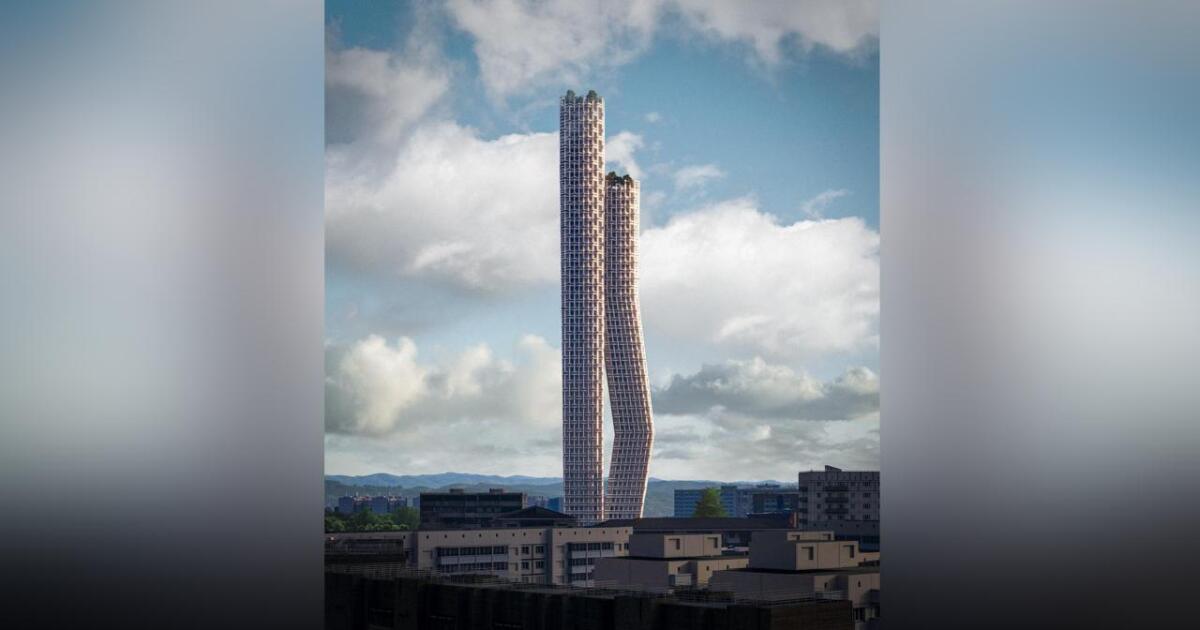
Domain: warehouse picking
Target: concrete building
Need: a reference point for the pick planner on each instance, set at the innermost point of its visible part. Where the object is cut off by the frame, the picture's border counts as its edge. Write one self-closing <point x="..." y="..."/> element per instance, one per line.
<point x="537" y="500"/>
<point x="789" y="566"/>
<point x="534" y="517"/>
<point x="457" y="508"/>
<point x="666" y="562"/>
<point x="735" y="532"/>
<point x="601" y="323"/>
<point x="538" y="555"/>
<point x="839" y="495"/>
<point x="394" y="602"/>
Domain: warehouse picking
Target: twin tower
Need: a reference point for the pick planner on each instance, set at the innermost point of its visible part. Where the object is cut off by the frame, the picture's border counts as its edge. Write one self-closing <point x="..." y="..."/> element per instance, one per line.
<point x="601" y="324"/>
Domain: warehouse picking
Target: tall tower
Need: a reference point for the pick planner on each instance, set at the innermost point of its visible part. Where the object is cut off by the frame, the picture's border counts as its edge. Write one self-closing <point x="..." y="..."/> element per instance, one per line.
<point x="625" y="352"/>
<point x="581" y="207"/>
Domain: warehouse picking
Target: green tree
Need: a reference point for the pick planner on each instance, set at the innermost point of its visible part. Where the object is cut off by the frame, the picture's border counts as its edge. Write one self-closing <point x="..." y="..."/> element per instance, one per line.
<point x="709" y="504"/>
<point x="406" y="518"/>
<point x="333" y="524"/>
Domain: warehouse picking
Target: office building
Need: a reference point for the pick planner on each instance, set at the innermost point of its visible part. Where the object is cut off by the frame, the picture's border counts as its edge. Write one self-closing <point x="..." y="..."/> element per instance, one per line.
<point x="838" y="495"/>
<point x="666" y="562"/>
<point x="539" y="555"/>
<point x="735" y="532"/>
<point x="601" y="323"/>
<point x="555" y="503"/>
<point x="457" y="508"/>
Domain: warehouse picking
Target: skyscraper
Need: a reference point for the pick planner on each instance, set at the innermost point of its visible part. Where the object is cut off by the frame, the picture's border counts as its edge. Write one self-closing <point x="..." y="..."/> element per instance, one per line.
<point x="601" y="323"/>
<point x="625" y="352"/>
<point x="581" y="203"/>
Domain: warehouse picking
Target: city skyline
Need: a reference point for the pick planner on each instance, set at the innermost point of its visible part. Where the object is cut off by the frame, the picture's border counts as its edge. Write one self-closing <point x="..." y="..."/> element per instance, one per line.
<point x="755" y="148"/>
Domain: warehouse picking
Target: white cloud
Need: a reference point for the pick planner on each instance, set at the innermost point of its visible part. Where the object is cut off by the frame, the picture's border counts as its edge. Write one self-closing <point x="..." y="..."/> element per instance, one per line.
<point x="378" y="388"/>
<point x="842" y="26"/>
<point x="521" y="43"/>
<point x="525" y="43"/>
<point x="376" y="96"/>
<point x="653" y="117"/>
<point x="449" y="209"/>
<point x="620" y="150"/>
<point x="758" y="389"/>
<point x="735" y="277"/>
<point x="696" y="175"/>
<point x="719" y="444"/>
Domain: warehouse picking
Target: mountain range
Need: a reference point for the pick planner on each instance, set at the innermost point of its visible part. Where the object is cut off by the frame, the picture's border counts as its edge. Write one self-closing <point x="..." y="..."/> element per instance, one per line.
<point x="660" y="493"/>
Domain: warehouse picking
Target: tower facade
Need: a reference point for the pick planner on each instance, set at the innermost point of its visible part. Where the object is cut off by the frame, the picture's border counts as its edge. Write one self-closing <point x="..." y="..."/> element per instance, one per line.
<point x="601" y="323"/>
<point x="581" y="209"/>
<point x="625" y="352"/>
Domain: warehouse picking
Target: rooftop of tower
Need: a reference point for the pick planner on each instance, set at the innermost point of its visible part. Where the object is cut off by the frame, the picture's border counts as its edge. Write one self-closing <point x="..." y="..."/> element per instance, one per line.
<point x="612" y="177"/>
<point x="592" y="97"/>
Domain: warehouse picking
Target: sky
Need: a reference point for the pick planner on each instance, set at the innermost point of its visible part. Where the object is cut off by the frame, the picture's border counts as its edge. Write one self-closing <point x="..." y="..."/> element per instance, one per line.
<point x="754" y="134"/>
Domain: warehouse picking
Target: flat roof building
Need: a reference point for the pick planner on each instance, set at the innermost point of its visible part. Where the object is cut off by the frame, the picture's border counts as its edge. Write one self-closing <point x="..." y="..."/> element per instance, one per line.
<point x="457" y="508"/>
<point x="666" y="562"/>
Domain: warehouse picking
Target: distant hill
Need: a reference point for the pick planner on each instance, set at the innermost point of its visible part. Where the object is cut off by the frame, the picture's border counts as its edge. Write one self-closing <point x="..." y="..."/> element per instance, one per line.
<point x="660" y="493"/>
<point x="438" y="480"/>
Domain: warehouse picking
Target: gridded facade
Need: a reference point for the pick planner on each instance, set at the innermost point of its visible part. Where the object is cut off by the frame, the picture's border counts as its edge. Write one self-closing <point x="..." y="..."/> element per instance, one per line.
<point x="581" y="203"/>
<point x="601" y="323"/>
<point x="839" y="495"/>
<point x="625" y="353"/>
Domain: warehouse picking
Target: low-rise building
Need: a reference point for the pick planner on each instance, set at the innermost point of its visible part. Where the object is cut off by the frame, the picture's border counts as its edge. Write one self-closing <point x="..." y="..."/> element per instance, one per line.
<point x="666" y="562"/>
<point x="788" y="566"/>
<point x="458" y="508"/>
<point x="539" y="555"/>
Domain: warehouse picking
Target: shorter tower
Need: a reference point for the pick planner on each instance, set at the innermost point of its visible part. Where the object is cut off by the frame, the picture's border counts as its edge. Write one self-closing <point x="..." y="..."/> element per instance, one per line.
<point x="625" y="352"/>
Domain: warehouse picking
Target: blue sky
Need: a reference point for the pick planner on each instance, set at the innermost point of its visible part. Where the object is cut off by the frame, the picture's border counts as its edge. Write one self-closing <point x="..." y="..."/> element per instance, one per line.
<point x="755" y="137"/>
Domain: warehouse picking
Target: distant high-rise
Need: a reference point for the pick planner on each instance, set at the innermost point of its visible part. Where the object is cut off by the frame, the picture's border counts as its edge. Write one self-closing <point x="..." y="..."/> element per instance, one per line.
<point x="601" y="323"/>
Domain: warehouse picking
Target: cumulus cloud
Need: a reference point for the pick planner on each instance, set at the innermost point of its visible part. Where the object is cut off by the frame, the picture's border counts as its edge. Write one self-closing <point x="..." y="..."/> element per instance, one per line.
<point x="619" y="150"/>
<point x="738" y="278"/>
<point x="721" y="444"/>
<point x="758" y="389"/>
<point x="653" y="117"/>
<point x="842" y="26"/>
<point x="526" y="43"/>
<point x="449" y="209"/>
<point x="696" y="175"/>
<point x="521" y="43"/>
<point x="376" y="388"/>
<point x="373" y="97"/>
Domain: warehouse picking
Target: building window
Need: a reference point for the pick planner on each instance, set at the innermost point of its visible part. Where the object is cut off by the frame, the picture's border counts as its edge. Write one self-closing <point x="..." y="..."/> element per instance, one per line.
<point x="525" y="550"/>
<point x="808" y="551"/>
<point x="542" y="565"/>
<point x="525" y="565"/>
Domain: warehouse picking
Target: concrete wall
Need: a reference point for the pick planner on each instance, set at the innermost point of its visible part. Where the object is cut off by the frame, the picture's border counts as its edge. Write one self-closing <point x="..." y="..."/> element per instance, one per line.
<point x="674" y="545"/>
<point x="800" y="551"/>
